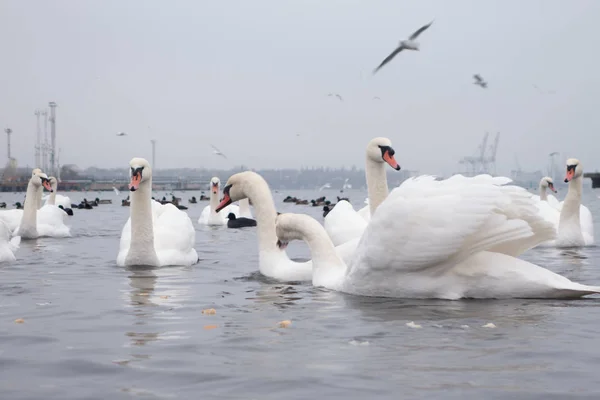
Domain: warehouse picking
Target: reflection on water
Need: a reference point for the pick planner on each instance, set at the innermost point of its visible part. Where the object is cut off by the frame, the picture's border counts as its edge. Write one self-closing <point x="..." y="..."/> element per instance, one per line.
<point x="140" y="332"/>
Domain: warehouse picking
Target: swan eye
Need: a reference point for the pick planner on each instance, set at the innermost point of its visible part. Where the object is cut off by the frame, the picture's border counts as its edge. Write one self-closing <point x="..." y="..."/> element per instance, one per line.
<point x="226" y="189"/>
<point x="387" y="149"/>
<point x="136" y="171"/>
<point x="571" y="167"/>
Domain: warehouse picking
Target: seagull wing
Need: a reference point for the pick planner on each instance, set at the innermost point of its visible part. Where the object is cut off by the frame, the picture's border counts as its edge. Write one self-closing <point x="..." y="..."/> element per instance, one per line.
<point x="419" y="31"/>
<point x="217" y="150"/>
<point x="477" y="77"/>
<point x="389" y="58"/>
<point x="339" y="97"/>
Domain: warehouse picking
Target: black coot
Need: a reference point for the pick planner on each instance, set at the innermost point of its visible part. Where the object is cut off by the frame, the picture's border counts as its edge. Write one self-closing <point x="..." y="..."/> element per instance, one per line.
<point x="239" y="222"/>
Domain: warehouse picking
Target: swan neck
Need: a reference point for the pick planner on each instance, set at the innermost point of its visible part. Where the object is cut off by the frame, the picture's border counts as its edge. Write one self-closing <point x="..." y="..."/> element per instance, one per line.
<point x="257" y="191"/>
<point x="376" y="184"/>
<point x="28" y="227"/>
<point x="214" y="200"/>
<point x="321" y="247"/>
<point x="569" y="215"/>
<point x="543" y="194"/>
<point x="52" y="197"/>
<point x="142" y="226"/>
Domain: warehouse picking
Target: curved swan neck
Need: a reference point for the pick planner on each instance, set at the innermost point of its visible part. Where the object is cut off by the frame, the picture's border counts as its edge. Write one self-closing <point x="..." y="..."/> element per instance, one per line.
<point x="543" y="194"/>
<point x="141" y="250"/>
<point x="28" y="227"/>
<point x="321" y="247"/>
<point x="264" y="208"/>
<point x="376" y="184"/>
<point x="244" y="207"/>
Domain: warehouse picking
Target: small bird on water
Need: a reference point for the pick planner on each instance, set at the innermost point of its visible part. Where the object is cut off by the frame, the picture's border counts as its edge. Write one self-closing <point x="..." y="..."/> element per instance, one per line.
<point x="408" y="44"/>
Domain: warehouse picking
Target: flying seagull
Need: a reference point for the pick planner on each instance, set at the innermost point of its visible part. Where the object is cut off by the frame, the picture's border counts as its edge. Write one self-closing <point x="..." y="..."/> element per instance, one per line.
<point x="409" y="44"/>
<point x="121" y="134"/>
<point x="376" y="98"/>
<point x="336" y="95"/>
<point x="479" y="81"/>
<point x="218" y="152"/>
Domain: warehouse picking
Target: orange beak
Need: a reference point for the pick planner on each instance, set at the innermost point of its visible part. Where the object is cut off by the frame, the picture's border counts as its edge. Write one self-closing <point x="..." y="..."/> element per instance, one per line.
<point x="391" y="160"/>
<point x="215" y="188"/>
<point x="224" y="203"/>
<point x="135" y="182"/>
<point x="570" y="174"/>
<point x="551" y="186"/>
<point x="46" y="184"/>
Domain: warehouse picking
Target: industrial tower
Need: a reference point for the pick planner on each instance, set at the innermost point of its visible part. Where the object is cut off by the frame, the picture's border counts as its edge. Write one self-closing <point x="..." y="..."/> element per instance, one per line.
<point x="52" y="168"/>
<point x="153" y="141"/>
<point x="480" y="164"/>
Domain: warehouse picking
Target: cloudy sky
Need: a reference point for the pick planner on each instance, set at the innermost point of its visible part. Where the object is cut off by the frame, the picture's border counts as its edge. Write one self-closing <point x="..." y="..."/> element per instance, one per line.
<point x="248" y="76"/>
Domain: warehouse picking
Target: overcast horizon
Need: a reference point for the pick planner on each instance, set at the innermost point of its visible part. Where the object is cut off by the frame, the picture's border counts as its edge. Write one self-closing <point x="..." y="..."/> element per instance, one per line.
<point x="249" y="77"/>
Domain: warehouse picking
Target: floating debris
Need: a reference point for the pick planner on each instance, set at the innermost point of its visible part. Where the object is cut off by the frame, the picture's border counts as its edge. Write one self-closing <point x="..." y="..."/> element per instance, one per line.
<point x="19" y="321"/>
<point x="412" y="324"/>
<point x="209" y="311"/>
<point x="489" y="325"/>
<point x="164" y="297"/>
<point x="209" y="327"/>
<point x="284" y="324"/>
<point x="465" y="326"/>
<point x="359" y="343"/>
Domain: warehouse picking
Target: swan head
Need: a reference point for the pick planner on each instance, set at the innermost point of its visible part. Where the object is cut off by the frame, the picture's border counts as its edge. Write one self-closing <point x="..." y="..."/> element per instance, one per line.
<point x="547" y="182"/>
<point x="214" y="184"/>
<point x="380" y="150"/>
<point x="235" y="188"/>
<point x="574" y="169"/>
<point x="53" y="182"/>
<point x="288" y="228"/>
<point x="41" y="179"/>
<point x="36" y="171"/>
<point x="140" y="172"/>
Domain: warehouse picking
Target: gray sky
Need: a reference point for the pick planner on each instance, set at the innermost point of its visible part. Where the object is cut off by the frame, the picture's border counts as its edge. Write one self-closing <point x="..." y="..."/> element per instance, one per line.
<point x="248" y="75"/>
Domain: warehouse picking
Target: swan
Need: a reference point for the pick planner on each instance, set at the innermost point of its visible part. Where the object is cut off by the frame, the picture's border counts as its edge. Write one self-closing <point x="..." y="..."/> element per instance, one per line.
<point x="57" y="199"/>
<point x="576" y="225"/>
<point x="439" y="239"/>
<point x="8" y="246"/>
<point x="343" y="223"/>
<point x="31" y="223"/>
<point x="273" y="261"/>
<point x="211" y="217"/>
<point x="155" y="234"/>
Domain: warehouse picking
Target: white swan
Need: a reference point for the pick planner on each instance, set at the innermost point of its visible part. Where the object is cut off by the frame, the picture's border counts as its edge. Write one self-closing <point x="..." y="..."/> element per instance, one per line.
<point x="439" y="239"/>
<point x="209" y="215"/>
<point x="57" y="199"/>
<point x="343" y="223"/>
<point x="31" y="223"/>
<point x="576" y="225"/>
<point x="244" y="209"/>
<point x="8" y="246"/>
<point x="273" y="261"/>
<point x="155" y="234"/>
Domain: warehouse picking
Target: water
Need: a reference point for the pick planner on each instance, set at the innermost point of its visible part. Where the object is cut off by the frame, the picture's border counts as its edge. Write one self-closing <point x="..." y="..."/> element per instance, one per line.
<point x="93" y="330"/>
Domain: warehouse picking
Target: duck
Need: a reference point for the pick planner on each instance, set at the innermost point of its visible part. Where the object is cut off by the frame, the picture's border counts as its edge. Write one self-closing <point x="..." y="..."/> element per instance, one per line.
<point x="241" y="222"/>
<point x="343" y="223"/>
<point x="441" y="240"/>
<point x="211" y="217"/>
<point x="155" y="234"/>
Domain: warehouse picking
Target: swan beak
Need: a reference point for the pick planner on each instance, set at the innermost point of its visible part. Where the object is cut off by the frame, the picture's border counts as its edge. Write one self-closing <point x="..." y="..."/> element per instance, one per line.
<point x="570" y="174"/>
<point x="281" y="245"/>
<point x="551" y="186"/>
<point x="215" y="188"/>
<point x="46" y="184"/>
<point x="224" y="203"/>
<point x="391" y="160"/>
<point x="135" y="182"/>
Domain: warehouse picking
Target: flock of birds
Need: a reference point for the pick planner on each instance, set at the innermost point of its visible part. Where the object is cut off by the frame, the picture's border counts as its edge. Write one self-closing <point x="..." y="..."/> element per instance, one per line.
<point x="448" y="239"/>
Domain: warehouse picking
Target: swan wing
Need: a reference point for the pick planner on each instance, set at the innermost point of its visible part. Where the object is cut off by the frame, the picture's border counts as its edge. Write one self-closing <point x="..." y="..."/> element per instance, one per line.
<point x="174" y="236"/>
<point x="428" y="224"/>
<point x="553" y="201"/>
<point x="587" y="224"/>
<point x="343" y="224"/>
<point x="12" y="218"/>
<point x="51" y="222"/>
